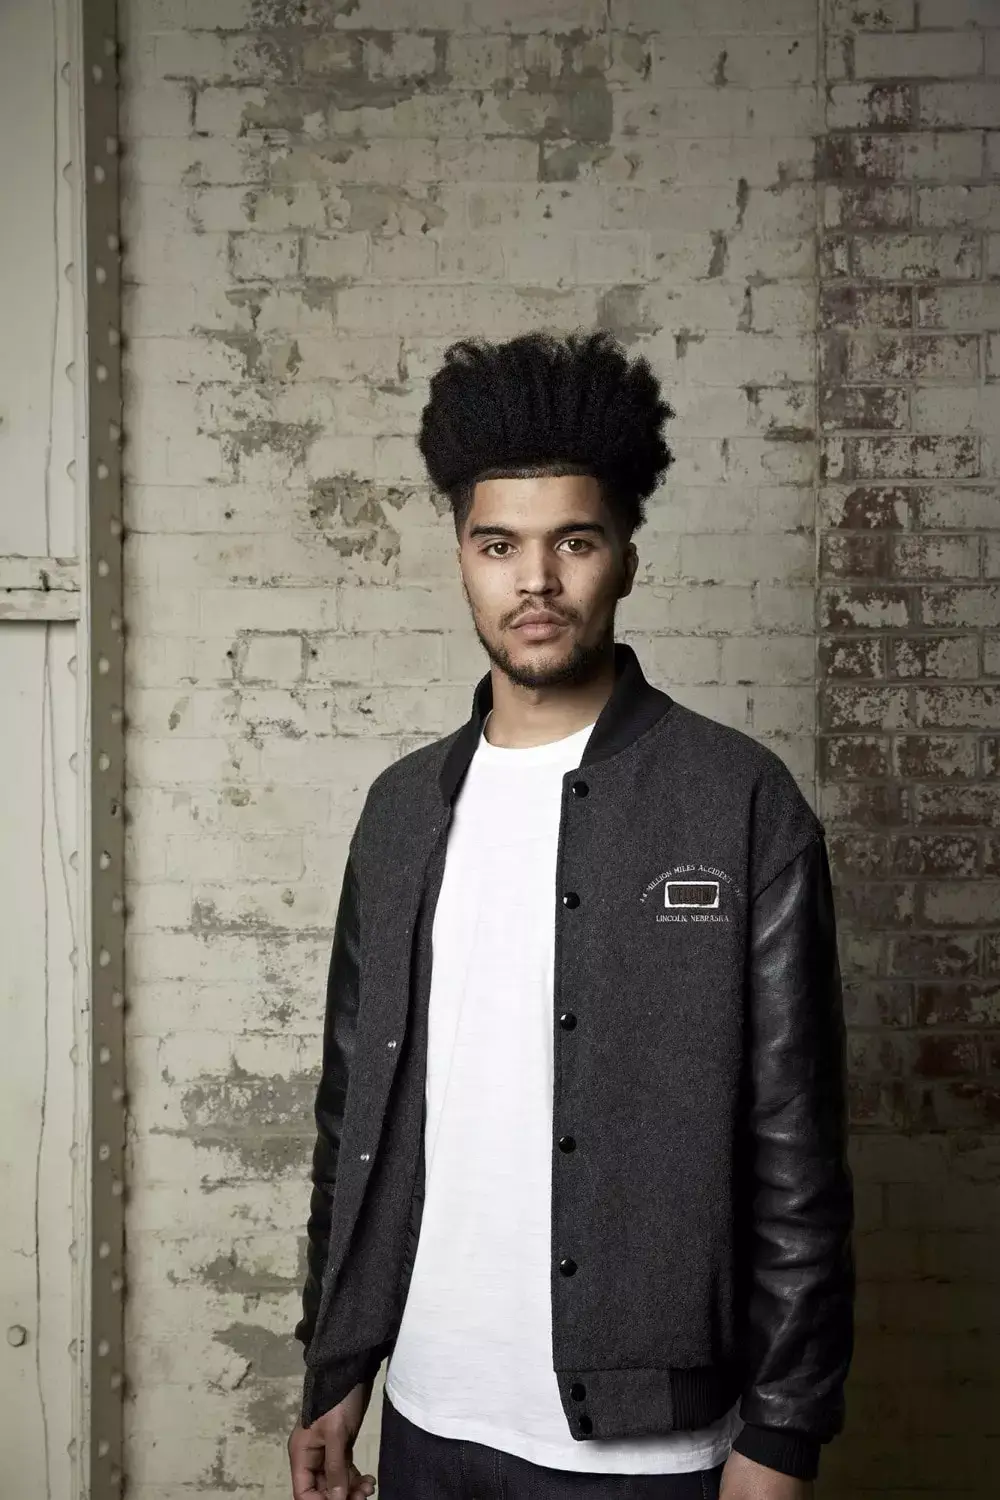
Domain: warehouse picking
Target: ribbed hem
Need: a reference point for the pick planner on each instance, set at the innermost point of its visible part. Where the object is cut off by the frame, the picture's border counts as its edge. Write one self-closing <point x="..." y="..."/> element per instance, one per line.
<point x="781" y="1448"/>
<point x="698" y="1395"/>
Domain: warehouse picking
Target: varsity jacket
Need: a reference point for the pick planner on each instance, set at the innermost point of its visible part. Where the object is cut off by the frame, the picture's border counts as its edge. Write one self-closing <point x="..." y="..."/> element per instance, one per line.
<point x="699" y="1062"/>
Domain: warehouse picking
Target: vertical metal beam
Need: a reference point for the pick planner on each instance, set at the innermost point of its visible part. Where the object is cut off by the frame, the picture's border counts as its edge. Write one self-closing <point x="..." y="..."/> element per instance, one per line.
<point x="105" y="741"/>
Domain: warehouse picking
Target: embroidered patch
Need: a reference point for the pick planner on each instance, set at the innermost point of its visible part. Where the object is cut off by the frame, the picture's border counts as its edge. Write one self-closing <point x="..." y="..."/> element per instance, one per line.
<point x="693" y="892"/>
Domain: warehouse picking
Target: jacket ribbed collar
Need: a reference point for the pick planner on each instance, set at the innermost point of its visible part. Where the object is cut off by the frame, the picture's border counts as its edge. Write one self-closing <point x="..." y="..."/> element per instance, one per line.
<point x="633" y="706"/>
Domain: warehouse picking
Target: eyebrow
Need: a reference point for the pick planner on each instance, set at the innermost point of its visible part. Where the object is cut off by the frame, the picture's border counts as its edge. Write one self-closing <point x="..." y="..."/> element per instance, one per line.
<point x="564" y="530"/>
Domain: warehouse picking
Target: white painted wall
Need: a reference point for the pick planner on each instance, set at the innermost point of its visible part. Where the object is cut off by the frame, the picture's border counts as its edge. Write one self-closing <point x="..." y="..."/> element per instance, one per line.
<point x="43" y="1063"/>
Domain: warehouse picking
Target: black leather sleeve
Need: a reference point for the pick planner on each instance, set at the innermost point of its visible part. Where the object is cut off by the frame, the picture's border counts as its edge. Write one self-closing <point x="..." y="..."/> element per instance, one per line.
<point x="797" y="1252"/>
<point x="342" y="994"/>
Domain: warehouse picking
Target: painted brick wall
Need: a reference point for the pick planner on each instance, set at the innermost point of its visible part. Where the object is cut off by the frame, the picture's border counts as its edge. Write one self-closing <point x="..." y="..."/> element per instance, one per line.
<point x="909" y="708"/>
<point x="319" y="198"/>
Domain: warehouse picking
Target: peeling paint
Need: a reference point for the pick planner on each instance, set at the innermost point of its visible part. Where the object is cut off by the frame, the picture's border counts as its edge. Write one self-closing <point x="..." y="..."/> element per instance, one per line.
<point x="575" y="101"/>
<point x="377" y="209"/>
<point x="293" y="439"/>
<point x="270" y="1355"/>
<point x="348" y="501"/>
<point x="683" y="337"/>
<point x="207" y="922"/>
<point x="216" y="1478"/>
<point x="720" y="254"/>
<point x="623" y="310"/>
<point x="177" y="712"/>
<point x="273" y="1409"/>
<point x="563" y="163"/>
<point x="742" y="199"/>
<point x="266" y="1123"/>
<point x="226" y="1273"/>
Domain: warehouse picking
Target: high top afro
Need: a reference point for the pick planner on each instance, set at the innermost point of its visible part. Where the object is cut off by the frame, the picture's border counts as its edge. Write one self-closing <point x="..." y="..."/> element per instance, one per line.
<point x="541" y="403"/>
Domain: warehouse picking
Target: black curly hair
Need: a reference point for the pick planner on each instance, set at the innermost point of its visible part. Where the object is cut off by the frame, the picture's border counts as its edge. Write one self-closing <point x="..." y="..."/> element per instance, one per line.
<point x="541" y="404"/>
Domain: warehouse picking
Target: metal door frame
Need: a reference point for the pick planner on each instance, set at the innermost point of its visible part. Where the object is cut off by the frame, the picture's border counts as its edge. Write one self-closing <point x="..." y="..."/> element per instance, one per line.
<point x="88" y="589"/>
<point x="104" y="739"/>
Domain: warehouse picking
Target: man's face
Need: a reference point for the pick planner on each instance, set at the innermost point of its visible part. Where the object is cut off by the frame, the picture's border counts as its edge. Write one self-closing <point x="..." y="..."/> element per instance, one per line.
<point x="547" y="544"/>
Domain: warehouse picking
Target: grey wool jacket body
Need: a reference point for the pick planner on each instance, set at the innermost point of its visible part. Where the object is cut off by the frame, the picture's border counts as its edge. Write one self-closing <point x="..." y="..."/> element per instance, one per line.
<point x="702" y="1229"/>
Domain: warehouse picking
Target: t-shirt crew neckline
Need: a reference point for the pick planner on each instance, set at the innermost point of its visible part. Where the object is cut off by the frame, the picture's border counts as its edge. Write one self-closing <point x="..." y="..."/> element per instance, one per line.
<point x="532" y="755"/>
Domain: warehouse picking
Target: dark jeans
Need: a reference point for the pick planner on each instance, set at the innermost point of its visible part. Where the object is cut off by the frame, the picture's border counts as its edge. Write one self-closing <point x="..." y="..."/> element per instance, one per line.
<point x="418" y="1465"/>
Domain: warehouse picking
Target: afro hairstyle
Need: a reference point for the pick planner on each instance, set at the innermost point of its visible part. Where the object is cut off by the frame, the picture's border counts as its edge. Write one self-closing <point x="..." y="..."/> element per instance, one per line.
<point x="544" y="404"/>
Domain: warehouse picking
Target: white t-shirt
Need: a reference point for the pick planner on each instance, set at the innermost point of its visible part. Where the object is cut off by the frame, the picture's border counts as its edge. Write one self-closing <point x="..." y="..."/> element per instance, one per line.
<point x="473" y="1358"/>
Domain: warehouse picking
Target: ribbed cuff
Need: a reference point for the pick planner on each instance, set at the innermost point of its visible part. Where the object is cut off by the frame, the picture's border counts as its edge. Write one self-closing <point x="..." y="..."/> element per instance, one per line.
<point x="781" y="1448"/>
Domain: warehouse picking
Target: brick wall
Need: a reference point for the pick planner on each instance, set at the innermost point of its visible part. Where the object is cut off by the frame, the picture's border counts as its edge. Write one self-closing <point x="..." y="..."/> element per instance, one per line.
<point x="908" y="610"/>
<point x="319" y="198"/>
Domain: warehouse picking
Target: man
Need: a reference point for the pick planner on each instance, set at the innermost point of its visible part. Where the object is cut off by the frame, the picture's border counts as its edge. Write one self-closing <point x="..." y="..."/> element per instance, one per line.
<point x="581" y="1166"/>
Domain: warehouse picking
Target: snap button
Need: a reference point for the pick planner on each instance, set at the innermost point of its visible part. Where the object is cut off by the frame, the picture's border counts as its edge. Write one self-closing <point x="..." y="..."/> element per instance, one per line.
<point x="580" y="789"/>
<point x="567" y="1143"/>
<point x="567" y="1020"/>
<point x="570" y="898"/>
<point x="567" y="1266"/>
